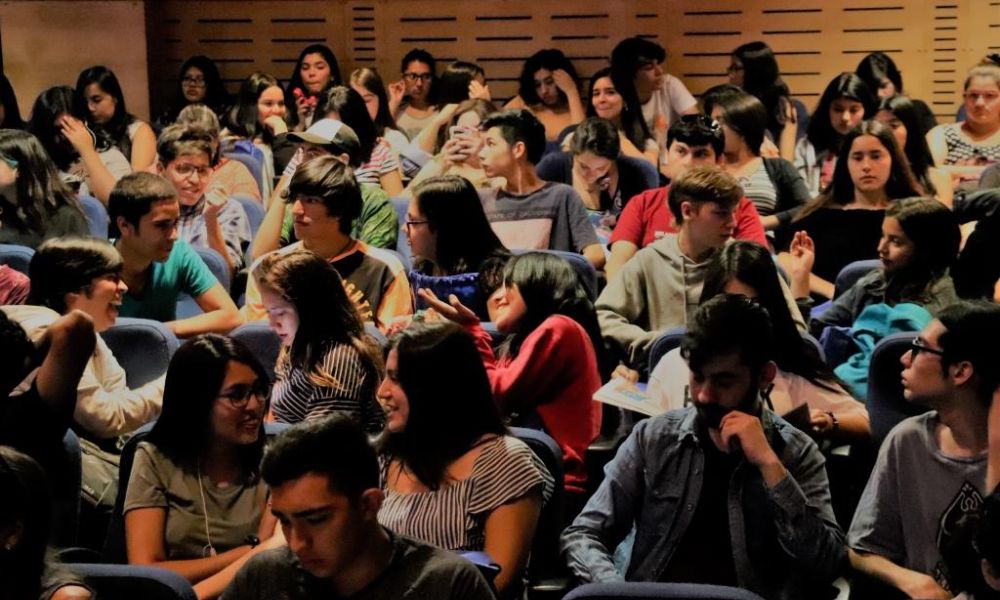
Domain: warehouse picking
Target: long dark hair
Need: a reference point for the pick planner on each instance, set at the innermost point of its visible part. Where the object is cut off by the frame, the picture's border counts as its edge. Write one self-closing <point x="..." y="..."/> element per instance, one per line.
<point x="40" y="190"/>
<point x="549" y="286"/>
<point x="326" y="315"/>
<point x="464" y="236"/>
<point x="295" y="81"/>
<point x="114" y="131"/>
<point x="428" y="354"/>
<point x="820" y="132"/>
<point x="762" y="79"/>
<point x="8" y="100"/>
<point x="901" y="183"/>
<point x="216" y="96"/>
<point x="453" y="84"/>
<point x="25" y="504"/>
<point x="746" y="115"/>
<point x="51" y="103"/>
<point x="194" y="379"/>
<point x="875" y="67"/>
<point x="934" y="231"/>
<point x="751" y="264"/>
<point x="632" y="123"/>
<point x="242" y="119"/>
<point x="372" y="81"/>
<point x="550" y="59"/>
<point x="917" y="152"/>
<point x="351" y="111"/>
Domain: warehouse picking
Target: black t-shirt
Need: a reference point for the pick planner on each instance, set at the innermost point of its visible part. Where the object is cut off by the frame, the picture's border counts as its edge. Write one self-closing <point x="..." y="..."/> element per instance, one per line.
<point x="416" y="571"/>
<point x="705" y="552"/>
<point x="841" y="237"/>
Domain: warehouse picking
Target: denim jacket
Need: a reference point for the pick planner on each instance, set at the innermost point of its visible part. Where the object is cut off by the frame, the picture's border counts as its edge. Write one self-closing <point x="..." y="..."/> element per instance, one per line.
<point x="785" y="540"/>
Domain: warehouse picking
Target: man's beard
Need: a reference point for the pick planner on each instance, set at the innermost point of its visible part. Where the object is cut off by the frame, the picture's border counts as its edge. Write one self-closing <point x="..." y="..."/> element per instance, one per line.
<point x="711" y="415"/>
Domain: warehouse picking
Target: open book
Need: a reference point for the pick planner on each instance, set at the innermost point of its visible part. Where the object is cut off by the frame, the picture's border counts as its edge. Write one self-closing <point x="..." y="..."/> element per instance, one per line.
<point x="632" y="396"/>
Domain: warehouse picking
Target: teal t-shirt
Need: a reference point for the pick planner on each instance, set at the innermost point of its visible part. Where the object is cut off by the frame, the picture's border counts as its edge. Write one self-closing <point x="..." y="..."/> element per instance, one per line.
<point x="183" y="271"/>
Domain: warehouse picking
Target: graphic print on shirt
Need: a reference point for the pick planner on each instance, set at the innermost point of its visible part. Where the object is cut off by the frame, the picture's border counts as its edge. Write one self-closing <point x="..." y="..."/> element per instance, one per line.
<point x="966" y="502"/>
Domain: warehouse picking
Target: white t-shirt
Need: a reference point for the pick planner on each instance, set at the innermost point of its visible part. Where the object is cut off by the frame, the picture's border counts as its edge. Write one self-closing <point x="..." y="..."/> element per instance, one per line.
<point x="671" y="100"/>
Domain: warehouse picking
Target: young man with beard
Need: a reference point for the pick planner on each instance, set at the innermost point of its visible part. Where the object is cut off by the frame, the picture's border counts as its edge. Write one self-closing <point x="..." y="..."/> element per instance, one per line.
<point x="931" y="469"/>
<point x="722" y="491"/>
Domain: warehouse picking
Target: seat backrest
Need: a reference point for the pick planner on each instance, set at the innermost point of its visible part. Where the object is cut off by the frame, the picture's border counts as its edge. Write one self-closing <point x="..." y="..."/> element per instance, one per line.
<point x="254" y="211"/>
<point x="654" y="591"/>
<point x="650" y="178"/>
<point x="667" y="341"/>
<point x="16" y="257"/>
<point x="118" y="582"/>
<point x="252" y="164"/>
<point x="97" y="216"/>
<point x="142" y="347"/>
<point x="262" y="341"/>
<point x="402" y="204"/>
<point x="546" y="561"/>
<point x="66" y="494"/>
<point x="186" y="305"/>
<point x="886" y="405"/>
<point x="851" y="273"/>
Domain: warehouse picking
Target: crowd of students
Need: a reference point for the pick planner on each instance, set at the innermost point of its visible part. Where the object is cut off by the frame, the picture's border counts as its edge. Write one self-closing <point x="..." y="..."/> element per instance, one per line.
<point x="401" y="373"/>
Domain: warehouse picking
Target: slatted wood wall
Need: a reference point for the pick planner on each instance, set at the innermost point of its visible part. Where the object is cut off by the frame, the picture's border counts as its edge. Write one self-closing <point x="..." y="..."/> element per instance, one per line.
<point x="932" y="41"/>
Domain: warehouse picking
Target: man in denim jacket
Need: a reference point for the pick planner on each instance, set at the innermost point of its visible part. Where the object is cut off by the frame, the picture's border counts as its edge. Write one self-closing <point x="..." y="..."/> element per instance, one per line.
<point x="720" y="492"/>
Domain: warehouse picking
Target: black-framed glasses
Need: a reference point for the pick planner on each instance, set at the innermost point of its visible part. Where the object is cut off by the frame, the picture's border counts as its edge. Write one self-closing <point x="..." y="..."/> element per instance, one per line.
<point x="917" y="346"/>
<point x="425" y="77"/>
<point x="410" y="224"/>
<point x="734" y="68"/>
<point x="193" y="81"/>
<point x="239" y="396"/>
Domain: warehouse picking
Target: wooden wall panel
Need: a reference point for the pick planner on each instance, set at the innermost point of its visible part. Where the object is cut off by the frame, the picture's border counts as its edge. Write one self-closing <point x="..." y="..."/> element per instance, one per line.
<point x="932" y="41"/>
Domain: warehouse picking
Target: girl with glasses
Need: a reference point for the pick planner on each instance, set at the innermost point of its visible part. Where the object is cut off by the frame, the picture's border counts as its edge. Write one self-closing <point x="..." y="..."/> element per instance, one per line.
<point x="327" y="363"/>
<point x="195" y="502"/>
<point x="198" y="82"/>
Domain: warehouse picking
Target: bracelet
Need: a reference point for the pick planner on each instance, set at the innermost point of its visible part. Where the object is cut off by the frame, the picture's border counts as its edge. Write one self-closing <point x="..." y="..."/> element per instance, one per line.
<point x="252" y="541"/>
<point x="833" y="418"/>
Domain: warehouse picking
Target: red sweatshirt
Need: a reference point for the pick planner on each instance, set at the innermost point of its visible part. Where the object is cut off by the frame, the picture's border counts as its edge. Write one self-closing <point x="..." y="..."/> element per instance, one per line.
<point x="556" y="374"/>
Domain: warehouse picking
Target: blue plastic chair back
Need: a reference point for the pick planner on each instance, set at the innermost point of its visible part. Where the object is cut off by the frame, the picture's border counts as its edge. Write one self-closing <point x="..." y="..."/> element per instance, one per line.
<point x="16" y="257"/>
<point x="262" y="341"/>
<point x="667" y="341"/>
<point x="97" y="216"/>
<point x="584" y="270"/>
<point x="118" y="582"/>
<point x="142" y="347"/>
<point x="254" y="211"/>
<point x="851" y="273"/>
<point x="650" y="176"/>
<point x="402" y="204"/>
<point x="186" y="305"/>
<point x="658" y="591"/>
<point x="885" y="402"/>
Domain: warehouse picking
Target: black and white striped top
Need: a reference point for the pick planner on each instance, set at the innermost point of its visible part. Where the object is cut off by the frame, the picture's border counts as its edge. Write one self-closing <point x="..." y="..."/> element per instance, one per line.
<point x="454" y="516"/>
<point x="296" y="398"/>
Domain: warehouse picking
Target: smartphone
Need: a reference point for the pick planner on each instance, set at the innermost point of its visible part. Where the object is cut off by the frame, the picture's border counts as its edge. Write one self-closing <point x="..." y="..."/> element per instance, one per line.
<point x="458" y="131"/>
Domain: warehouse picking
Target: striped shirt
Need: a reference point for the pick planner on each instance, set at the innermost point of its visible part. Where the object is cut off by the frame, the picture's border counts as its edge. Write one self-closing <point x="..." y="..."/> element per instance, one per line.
<point x="296" y="398"/>
<point x="382" y="162"/>
<point x="454" y="516"/>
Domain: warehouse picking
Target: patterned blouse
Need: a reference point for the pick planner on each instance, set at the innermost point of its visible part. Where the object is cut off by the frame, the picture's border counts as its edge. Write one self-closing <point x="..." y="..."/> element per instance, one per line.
<point x="296" y="397"/>
<point x="454" y="516"/>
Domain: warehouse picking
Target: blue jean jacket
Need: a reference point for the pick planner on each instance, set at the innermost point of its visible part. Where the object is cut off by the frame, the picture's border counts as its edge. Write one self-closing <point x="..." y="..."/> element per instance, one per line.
<point x="785" y="540"/>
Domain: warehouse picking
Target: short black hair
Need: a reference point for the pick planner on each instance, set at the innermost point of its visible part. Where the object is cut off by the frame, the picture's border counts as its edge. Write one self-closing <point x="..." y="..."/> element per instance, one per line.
<point x="66" y="265"/>
<point x="519" y="125"/>
<point x="418" y="55"/>
<point x="971" y="330"/>
<point x="697" y="130"/>
<point x="632" y="53"/>
<point x="327" y="178"/>
<point x="336" y="447"/>
<point x="134" y="195"/>
<point x="729" y="323"/>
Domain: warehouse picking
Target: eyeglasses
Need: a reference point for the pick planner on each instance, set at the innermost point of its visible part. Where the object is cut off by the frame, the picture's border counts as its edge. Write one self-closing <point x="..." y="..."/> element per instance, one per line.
<point x="734" y="68"/>
<point x="193" y="81"/>
<point x="187" y="170"/>
<point x="917" y="346"/>
<point x="239" y="396"/>
<point x="412" y="77"/>
<point x="10" y="161"/>
<point x="410" y="224"/>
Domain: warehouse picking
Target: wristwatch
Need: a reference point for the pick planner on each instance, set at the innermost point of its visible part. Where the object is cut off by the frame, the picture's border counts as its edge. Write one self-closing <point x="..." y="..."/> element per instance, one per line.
<point x="252" y="541"/>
